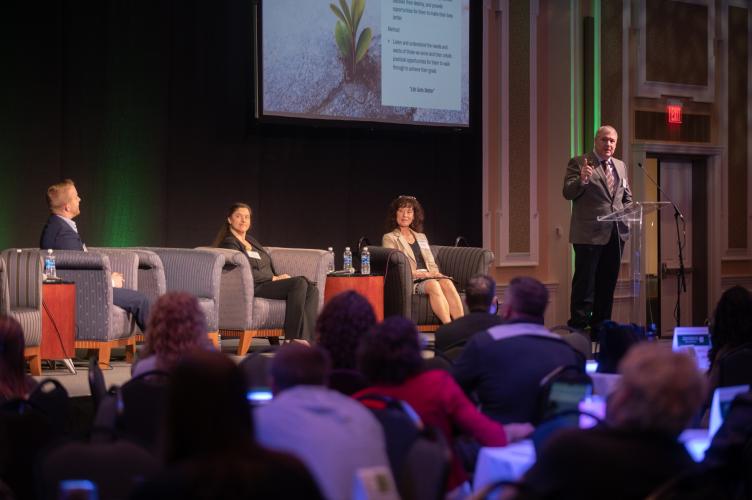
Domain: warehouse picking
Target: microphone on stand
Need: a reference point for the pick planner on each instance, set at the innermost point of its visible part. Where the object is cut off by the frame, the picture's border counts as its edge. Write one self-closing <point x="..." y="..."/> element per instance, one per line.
<point x="681" y="276"/>
<point x="660" y="189"/>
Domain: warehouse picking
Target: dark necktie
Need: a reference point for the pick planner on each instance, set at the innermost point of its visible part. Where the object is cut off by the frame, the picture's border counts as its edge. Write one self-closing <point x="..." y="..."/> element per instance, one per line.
<point x="609" y="176"/>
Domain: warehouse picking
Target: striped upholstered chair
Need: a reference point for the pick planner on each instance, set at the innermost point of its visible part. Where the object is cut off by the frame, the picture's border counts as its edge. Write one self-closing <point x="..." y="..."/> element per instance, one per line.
<point x="21" y="298"/>
<point x="461" y="263"/>
<point x="241" y="315"/>
<point x="196" y="272"/>
<point x="100" y="324"/>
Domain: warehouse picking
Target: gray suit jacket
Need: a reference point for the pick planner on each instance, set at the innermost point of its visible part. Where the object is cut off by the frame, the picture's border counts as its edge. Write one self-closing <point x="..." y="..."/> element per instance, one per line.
<point x="593" y="199"/>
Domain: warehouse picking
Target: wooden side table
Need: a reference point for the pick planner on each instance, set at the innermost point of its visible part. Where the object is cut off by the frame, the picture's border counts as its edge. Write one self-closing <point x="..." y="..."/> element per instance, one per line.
<point x="369" y="286"/>
<point x="59" y="322"/>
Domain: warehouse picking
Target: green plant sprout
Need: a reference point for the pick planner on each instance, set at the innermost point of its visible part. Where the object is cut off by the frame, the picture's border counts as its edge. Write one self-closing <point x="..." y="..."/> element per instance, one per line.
<point x="346" y="30"/>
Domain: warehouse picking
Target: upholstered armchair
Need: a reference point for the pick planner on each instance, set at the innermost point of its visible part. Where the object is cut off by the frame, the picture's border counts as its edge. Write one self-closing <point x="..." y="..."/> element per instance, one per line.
<point x="150" y="276"/>
<point x="243" y="316"/>
<point x="21" y="298"/>
<point x="460" y="263"/>
<point x="100" y="325"/>
<point x="196" y="272"/>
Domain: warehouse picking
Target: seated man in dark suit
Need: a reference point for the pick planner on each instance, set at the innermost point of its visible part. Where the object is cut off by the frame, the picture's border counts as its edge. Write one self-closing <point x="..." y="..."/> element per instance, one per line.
<point x="504" y="364"/>
<point x="638" y="450"/>
<point x="61" y="233"/>
<point x="480" y="297"/>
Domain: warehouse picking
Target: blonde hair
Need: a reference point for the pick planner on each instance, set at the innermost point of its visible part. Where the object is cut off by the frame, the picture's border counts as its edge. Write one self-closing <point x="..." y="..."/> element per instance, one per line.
<point x="59" y="194"/>
<point x="661" y="389"/>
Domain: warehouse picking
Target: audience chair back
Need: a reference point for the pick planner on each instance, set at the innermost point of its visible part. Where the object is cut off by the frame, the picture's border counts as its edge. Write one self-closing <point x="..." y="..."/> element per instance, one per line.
<point x="735" y="367"/>
<point x="560" y="389"/>
<point x="51" y="398"/>
<point x="419" y="457"/>
<point x="439" y="361"/>
<point x="575" y="338"/>
<point x="97" y="385"/>
<point x="114" y="467"/>
<point x="141" y="405"/>
<point x="25" y="431"/>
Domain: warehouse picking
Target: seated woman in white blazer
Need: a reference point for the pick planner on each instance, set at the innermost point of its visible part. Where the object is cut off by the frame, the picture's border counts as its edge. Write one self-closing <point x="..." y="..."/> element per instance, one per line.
<point x="405" y="222"/>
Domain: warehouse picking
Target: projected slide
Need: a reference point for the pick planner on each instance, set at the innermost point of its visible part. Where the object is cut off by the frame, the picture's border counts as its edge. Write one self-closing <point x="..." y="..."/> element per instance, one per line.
<point x="397" y="61"/>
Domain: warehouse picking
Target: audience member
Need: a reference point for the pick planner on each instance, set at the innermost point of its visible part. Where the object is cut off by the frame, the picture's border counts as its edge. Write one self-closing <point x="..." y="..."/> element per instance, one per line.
<point x="176" y="326"/>
<point x="14" y="383"/>
<point x="505" y="364"/>
<point x="729" y="452"/>
<point x="730" y="327"/>
<point x="331" y="433"/>
<point x="615" y="340"/>
<point x="343" y="321"/>
<point x="481" y="300"/>
<point x="391" y="360"/>
<point x="638" y="449"/>
<point x="210" y="449"/>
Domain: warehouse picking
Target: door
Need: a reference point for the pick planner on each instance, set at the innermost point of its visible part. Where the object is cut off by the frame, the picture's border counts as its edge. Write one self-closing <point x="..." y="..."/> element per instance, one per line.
<point x="676" y="180"/>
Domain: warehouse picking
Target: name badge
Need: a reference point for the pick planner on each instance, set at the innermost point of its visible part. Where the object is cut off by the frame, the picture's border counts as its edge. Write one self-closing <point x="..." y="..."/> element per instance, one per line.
<point x="253" y="255"/>
<point x="624" y="183"/>
<point x="423" y="244"/>
<point x="84" y="247"/>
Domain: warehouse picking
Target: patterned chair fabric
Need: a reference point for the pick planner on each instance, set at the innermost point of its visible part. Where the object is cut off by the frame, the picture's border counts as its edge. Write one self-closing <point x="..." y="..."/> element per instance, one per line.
<point x="240" y="310"/>
<point x="197" y="272"/>
<point x="461" y="263"/>
<point x="149" y="278"/>
<point x="21" y="295"/>
<point x="97" y="318"/>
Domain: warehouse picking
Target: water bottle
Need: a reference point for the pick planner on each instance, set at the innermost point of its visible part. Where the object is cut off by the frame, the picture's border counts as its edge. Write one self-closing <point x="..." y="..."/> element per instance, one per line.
<point x="365" y="262"/>
<point x="50" y="271"/>
<point x="347" y="260"/>
<point x="330" y="267"/>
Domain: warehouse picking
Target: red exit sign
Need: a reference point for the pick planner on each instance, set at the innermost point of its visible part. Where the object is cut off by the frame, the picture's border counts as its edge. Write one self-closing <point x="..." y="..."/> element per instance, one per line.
<point x="674" y="112"/>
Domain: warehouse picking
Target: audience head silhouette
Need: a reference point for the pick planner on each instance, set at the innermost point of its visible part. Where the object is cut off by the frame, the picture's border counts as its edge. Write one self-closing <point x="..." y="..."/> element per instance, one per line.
<point x="615" y="341"/>
<point x="176" y="325"/>
<point x="659" y="391"/>
<point x="13" y="380"/>
<point x="207" y="410"/>
<point x="343" y="322"/>
<point x="297" y="364"/>
<point x="391" y="354"/>
<point x="480" y="293"/>
<point x="731" y="324"/>
<point x="525" y="299"/>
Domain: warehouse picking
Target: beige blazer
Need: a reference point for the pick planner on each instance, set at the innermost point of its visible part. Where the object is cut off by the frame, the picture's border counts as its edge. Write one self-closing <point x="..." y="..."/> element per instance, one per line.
<point x="397" y="241"/>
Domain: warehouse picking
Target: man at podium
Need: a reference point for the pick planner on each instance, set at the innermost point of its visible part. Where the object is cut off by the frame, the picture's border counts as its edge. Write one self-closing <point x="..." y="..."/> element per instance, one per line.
<point x="596" y="184"/>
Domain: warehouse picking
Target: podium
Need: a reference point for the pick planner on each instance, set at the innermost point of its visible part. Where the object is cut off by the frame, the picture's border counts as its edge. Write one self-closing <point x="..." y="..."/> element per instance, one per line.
<point x="633" y="216"/>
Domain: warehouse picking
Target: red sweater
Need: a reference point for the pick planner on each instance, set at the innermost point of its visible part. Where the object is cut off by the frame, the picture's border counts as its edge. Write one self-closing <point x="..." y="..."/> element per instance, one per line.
<point x="440" y="403"/>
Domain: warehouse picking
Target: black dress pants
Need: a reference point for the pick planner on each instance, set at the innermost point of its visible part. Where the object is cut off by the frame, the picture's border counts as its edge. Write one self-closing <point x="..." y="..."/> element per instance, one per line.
<point x="596" y="270"/>
<point x="134" y="303"/>
<point x="302" y="298"/>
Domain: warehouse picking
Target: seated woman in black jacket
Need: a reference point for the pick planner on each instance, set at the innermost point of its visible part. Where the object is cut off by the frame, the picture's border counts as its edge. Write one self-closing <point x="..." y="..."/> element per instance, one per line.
<point x="301" y="295"/>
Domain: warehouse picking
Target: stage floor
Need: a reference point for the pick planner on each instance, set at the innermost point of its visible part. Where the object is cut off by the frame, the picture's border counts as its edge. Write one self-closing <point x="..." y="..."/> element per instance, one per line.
<point x="77" y="384"/>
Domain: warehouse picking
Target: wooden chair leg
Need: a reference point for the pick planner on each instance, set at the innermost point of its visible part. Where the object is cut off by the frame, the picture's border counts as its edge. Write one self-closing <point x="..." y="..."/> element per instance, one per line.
<point x="214" y="337"/>
<point x="245" y="342"/>
<point x="35" y="364"/>
<point x="130" y="351"/>
<point x="104" y="356"/>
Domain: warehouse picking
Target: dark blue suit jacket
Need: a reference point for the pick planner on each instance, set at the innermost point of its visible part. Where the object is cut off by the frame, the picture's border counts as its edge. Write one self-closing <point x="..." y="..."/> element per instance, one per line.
<point x="58" y="235"/>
